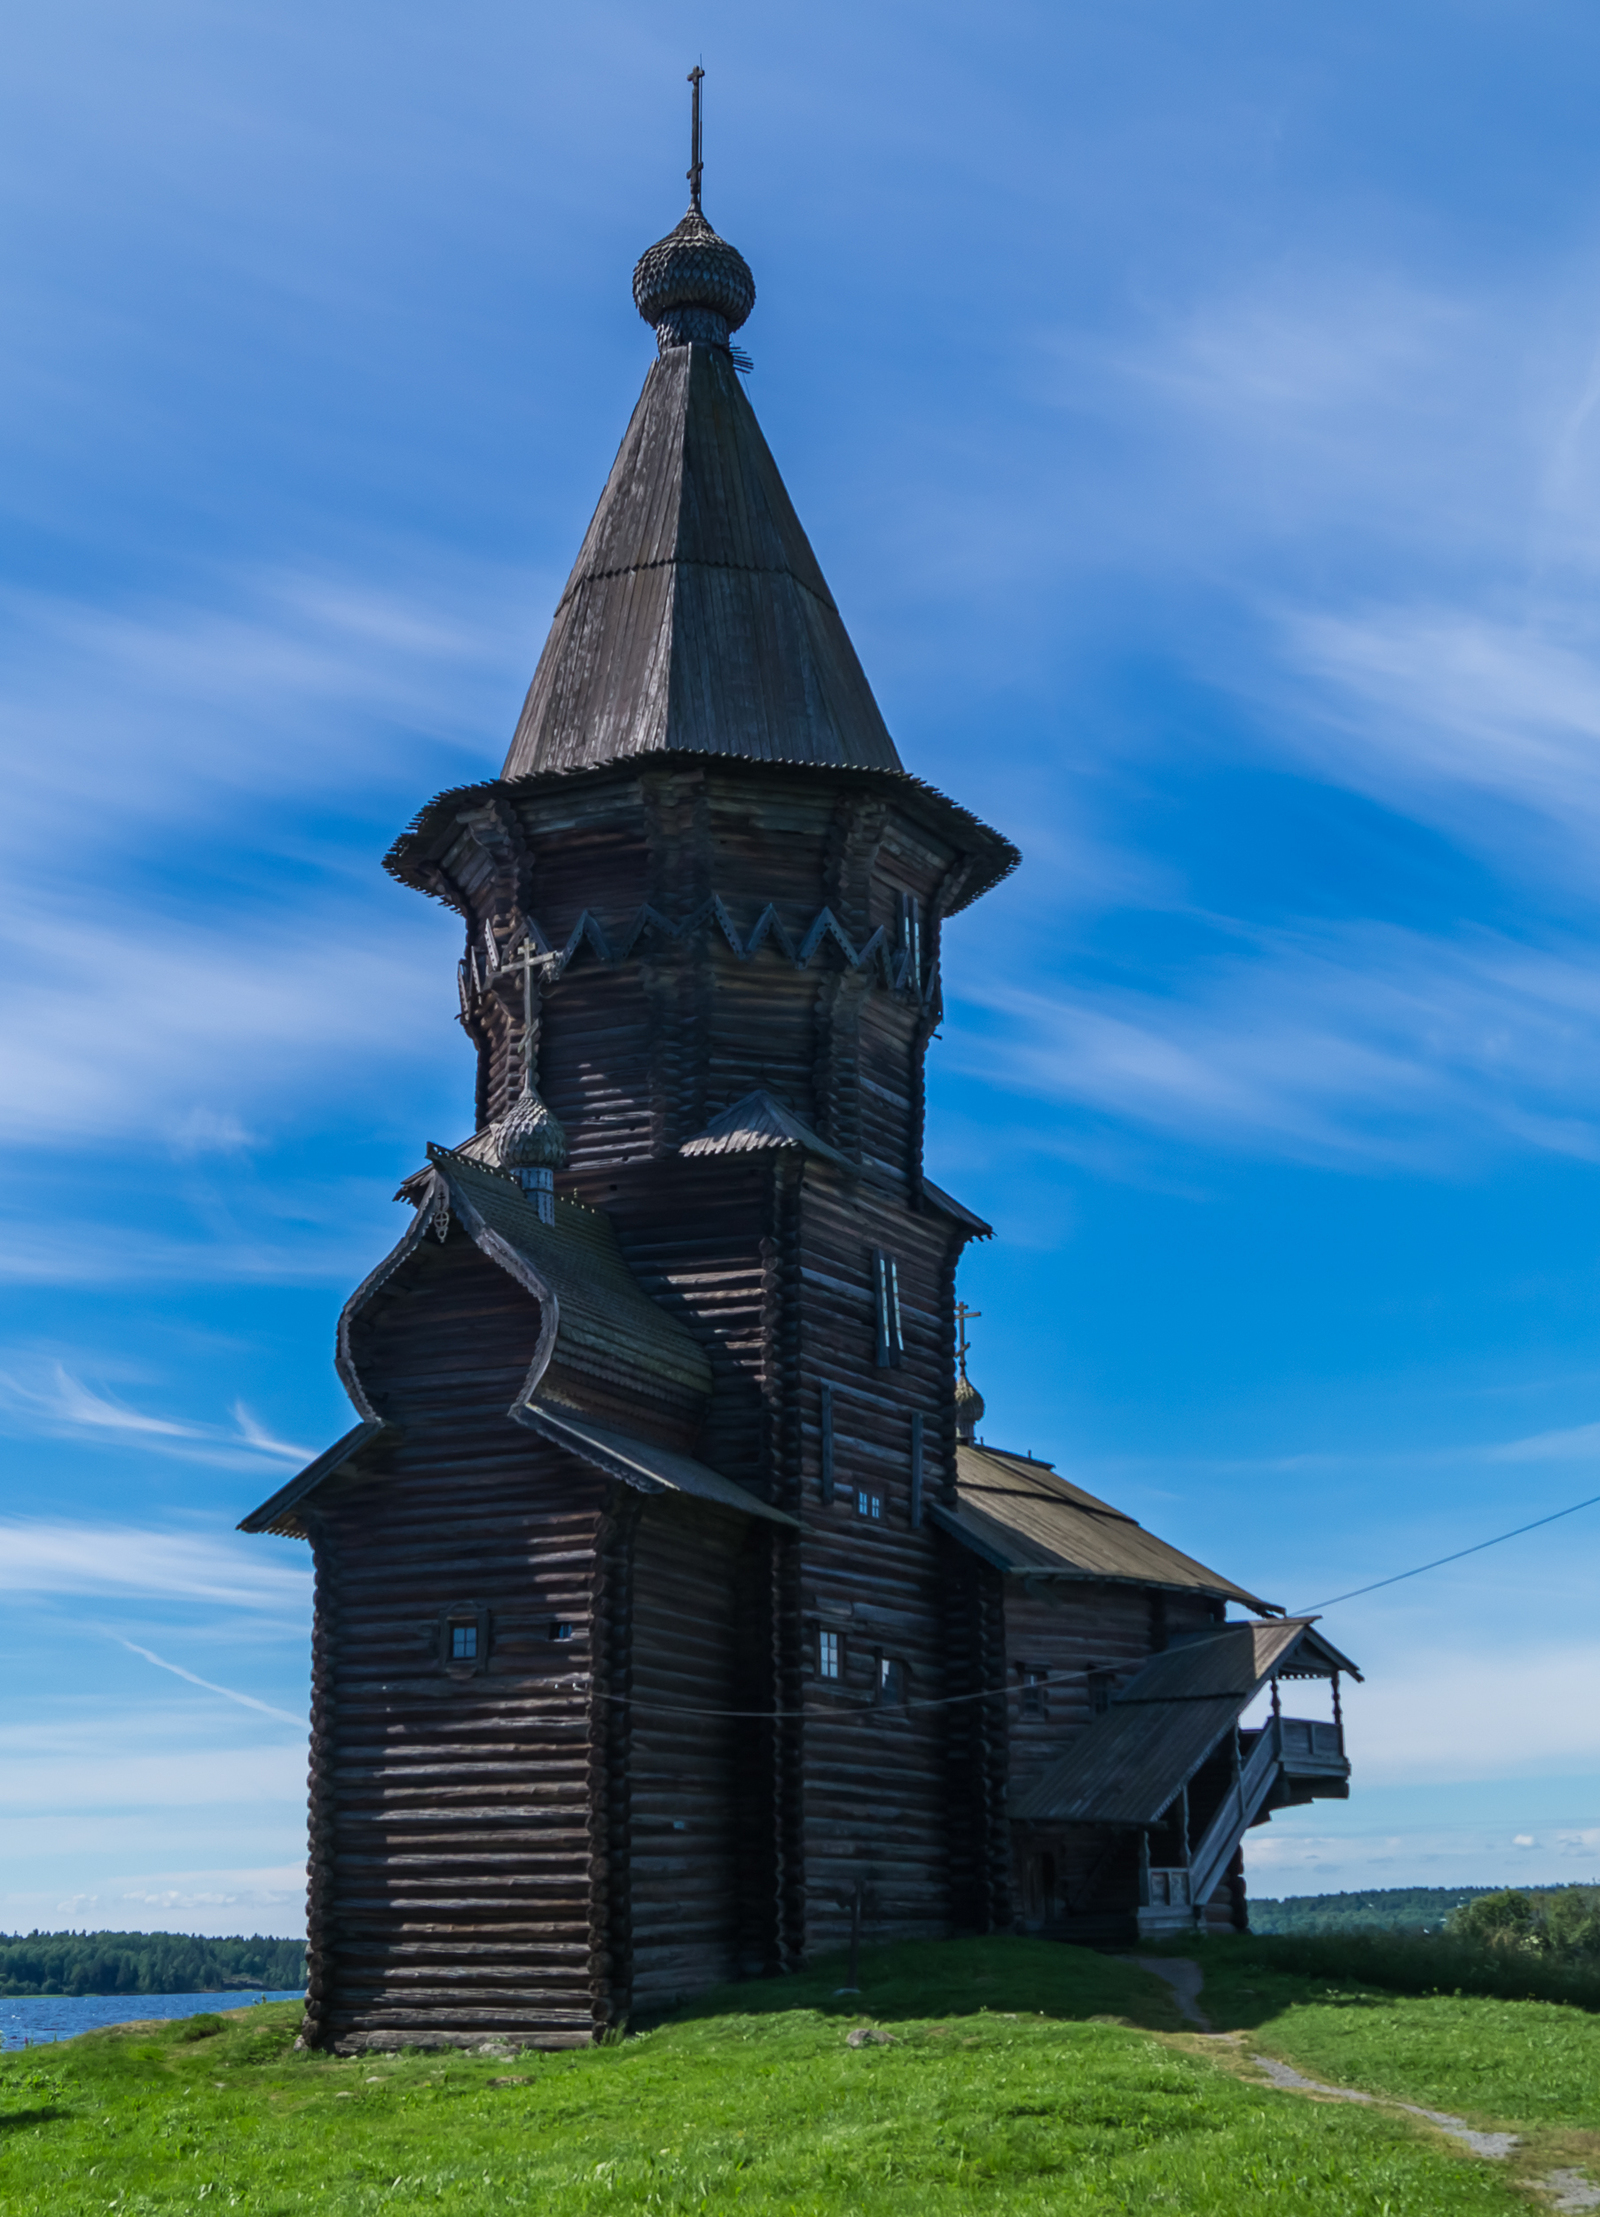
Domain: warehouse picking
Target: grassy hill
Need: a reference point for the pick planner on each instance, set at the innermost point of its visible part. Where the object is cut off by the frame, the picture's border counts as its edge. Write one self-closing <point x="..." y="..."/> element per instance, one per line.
<point x="145" y="1963"/>
<point x="1004" y="2078"/>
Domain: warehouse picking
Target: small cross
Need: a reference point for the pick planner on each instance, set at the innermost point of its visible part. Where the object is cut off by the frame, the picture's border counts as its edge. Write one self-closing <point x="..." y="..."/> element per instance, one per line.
<point x="527" y="963"/>
<point x="695" y="76"/>
<point x="963" y="1312"/>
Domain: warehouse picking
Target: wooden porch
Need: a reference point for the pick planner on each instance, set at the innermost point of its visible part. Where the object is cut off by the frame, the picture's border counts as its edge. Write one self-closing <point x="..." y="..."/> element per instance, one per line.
<point x="1287" y="1761"/>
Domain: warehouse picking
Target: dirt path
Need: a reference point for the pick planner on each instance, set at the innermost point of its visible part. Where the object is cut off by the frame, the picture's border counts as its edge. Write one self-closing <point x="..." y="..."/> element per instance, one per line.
<point x="1569" y="2190"/>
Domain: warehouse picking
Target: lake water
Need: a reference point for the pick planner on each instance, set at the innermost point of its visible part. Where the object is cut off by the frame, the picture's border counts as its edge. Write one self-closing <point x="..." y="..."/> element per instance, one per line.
<point x="29" y="2020"/>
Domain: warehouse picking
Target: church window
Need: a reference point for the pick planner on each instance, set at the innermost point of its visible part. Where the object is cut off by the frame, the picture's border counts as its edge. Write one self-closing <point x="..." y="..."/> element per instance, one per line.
<point x="463" y="1643"/>
<point x="1033" y="1690"/>
<point x="1100" y="1685"/>
<point x="560" y="1628"/>
<point x="886" y="1310"/>
<point x="869" y="1505"/>
<point x="828" y="1654"/>
<point x="891" y="1681"/>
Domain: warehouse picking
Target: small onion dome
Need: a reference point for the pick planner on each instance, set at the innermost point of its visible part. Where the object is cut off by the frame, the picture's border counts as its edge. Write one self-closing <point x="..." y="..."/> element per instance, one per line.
<point x="693" y="285"/>
<point x="529" y="1137"/>
<point x="969" y="1409"/>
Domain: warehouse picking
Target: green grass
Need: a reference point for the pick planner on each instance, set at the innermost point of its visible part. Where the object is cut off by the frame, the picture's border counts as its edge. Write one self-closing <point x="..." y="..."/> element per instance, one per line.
<point x="1023" y="2077"/>
<point x="1499" y="2062"/>
<point x="1417" y="1963"/>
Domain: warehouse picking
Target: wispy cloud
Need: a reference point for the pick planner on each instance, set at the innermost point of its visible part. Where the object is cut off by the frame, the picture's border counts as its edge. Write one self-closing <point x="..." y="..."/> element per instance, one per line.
<point x="1457" y="714"/>
<point x="213" y="1026"/>
<point x="46" y="1556"/>
<point x="1346" y="1044"/>
<point x="254" y="1435"/>
<point x="172" y="706"/>
<point x="268" y="1899"/>
<point x="78" y="1252"/>
<point x="228" y="1693"/>
<point x="1450" y="1713"/>
<point x="63" y="1405"/>
<point x="1577" y="1443"/>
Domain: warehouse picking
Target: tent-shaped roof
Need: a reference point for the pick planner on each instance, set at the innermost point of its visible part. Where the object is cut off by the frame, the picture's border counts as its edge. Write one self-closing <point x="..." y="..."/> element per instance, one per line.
<point x="696" y="617"/>
<point x="1023" y="1518"/>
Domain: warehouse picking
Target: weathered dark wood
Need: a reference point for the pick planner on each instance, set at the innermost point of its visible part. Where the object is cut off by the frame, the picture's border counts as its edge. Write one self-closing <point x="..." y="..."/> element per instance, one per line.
<point x="641" y="1452"/>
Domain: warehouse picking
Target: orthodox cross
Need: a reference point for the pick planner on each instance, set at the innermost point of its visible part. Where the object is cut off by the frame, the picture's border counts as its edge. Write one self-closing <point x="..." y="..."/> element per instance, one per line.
<point x="963" y="1312"/>
<point x="695" y="76"/>
<point x="527" y="963"/>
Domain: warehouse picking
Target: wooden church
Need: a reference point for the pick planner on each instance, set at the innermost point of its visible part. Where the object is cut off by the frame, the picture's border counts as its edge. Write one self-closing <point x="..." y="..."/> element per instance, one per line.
<point x="669" y="1612"/>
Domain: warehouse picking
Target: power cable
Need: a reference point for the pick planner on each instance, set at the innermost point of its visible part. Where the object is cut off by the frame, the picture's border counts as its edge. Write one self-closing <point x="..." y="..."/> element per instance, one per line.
<point x="1439" y="1561"/>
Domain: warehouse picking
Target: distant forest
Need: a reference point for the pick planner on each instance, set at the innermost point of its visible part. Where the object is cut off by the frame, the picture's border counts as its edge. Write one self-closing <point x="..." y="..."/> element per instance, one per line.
<point x="146" y="1963"/>
<point x="1384" y="1909"/>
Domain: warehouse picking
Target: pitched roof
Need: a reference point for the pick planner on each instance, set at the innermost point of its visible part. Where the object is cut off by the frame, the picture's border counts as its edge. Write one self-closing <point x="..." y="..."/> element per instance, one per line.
<point x="758" y="1120"/>
<point x="641" y="1464"/>
<point x="1024" y="1518"/>
<point x="696" y="617"/>
<point x="1126" y="1766"/>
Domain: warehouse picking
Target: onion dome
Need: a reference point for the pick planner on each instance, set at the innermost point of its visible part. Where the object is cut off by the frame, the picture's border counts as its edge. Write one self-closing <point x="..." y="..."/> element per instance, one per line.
<point x="529" y="1137"/>
<point x="969" y="1409"/>
<point x="693" y="285"/>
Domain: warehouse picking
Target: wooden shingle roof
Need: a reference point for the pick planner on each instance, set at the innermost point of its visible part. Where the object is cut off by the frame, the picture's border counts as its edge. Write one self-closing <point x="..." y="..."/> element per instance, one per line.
<point x="1025" y="1519"/>
<point x="696" y="617"/>
<point x="1129" y="1763"/>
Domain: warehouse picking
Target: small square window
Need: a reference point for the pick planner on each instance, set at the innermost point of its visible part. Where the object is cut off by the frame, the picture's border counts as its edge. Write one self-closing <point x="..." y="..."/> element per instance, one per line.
<point x="463" y="1643"/>
<point x="560" y="1629"/>
<point x="827" y="1654"/>
<point x="869" y="1505"/>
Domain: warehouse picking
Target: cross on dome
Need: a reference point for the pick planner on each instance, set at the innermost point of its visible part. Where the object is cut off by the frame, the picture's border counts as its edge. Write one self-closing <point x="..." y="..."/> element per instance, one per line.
<point x="691" y="284"/>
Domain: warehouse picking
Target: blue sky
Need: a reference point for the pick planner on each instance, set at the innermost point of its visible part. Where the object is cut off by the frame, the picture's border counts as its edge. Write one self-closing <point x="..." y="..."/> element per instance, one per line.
<point x="1197" y="415"/>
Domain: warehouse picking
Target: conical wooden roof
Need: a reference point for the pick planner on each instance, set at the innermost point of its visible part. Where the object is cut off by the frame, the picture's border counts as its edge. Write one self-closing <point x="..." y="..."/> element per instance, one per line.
<point x="696" y="618"/>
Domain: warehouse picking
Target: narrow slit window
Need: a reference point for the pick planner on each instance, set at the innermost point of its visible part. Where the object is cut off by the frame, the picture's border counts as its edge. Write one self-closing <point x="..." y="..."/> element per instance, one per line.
<point x="870" y="1505"/>
<point x="886" y="1310"/>
<point x="911" y="942"/>
<point x="828" y="1654"/>
<point x="1034" y="1696"/>
<point x="891" y="1681"/>
<point x="1101" y="1683"/>
<point x="916" y="1470"/>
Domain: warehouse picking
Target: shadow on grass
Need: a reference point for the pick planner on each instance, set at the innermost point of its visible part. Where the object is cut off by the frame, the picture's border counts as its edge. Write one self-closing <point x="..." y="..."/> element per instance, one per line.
<point x="15" y="2120"/>
<point x="923" y="1980"/>
<point x="1249" y="1980"/>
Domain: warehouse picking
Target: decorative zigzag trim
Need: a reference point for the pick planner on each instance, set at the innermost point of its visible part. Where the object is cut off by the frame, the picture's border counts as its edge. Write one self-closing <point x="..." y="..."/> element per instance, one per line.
<point x="894" y="970"/>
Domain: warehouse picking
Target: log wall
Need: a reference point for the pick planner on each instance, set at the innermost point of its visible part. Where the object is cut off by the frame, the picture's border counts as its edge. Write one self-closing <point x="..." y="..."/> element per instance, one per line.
<point x="689" y="1809"/>
<point x="454" y="1851"/>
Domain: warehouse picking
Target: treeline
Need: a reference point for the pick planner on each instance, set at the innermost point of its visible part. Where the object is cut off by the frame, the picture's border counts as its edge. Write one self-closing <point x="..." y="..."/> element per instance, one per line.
<point x="1383" y="1909"/>
<point x="146" y="1963"/>
<point x="1560" y="1923"/>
